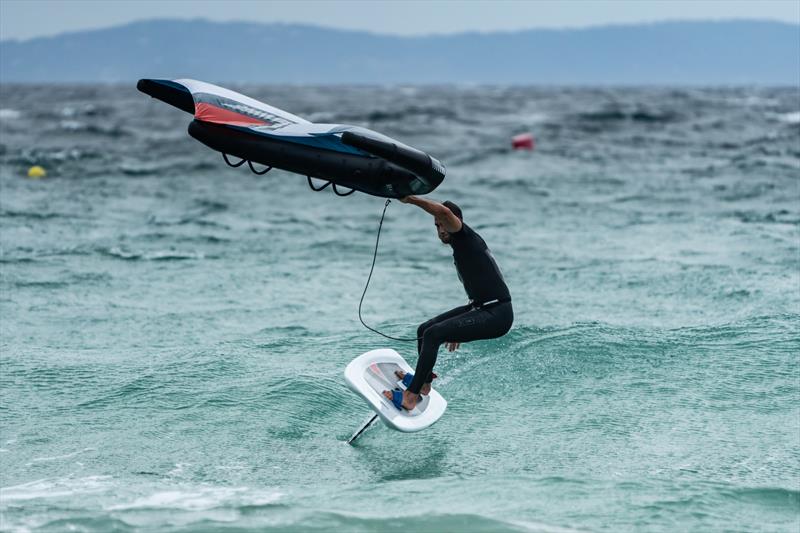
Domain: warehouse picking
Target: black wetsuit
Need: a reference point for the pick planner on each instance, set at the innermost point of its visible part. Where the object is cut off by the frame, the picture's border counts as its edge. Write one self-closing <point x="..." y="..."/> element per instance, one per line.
<point x="488" y="315"/>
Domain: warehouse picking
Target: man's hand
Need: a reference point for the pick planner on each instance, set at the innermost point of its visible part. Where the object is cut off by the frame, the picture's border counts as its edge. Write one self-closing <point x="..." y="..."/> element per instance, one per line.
<point x="452" y="346"/>
<point x="406" y="199"/>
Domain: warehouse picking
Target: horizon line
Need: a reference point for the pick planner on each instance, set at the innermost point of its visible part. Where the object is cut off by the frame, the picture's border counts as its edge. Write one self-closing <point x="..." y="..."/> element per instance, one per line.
<point x="412" y="36"/>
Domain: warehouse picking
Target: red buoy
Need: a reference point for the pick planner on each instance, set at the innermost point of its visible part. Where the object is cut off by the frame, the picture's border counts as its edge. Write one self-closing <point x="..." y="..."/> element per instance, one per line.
<point x="523" y="141"/>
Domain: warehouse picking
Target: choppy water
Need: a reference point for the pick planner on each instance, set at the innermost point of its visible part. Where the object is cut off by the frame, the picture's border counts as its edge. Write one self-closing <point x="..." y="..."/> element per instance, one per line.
<point x="173" y="331"/>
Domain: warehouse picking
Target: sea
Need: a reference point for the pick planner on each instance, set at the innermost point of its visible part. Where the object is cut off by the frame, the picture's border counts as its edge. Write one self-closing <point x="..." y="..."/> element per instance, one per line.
<point x="173" y="331"/>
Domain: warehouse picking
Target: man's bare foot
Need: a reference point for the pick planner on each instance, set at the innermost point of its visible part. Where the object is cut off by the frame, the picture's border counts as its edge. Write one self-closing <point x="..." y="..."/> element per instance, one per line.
<point x="426" y="388"/>
<point x="410" y="399"/>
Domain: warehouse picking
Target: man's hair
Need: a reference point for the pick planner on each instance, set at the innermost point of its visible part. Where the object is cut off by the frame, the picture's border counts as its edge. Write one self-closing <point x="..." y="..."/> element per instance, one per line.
<point x="454" y="209"/>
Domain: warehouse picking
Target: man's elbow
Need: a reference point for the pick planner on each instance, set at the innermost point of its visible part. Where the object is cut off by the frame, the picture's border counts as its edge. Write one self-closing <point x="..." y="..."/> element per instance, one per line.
<point x="442" y="211"/>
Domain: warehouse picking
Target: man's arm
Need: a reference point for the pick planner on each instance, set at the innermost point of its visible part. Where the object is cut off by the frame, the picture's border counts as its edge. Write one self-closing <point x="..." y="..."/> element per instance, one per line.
<point x="443" y="216"/>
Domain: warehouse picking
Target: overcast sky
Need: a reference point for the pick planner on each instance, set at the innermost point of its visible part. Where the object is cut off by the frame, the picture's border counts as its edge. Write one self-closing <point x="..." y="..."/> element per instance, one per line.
<point x="23" y="19"/>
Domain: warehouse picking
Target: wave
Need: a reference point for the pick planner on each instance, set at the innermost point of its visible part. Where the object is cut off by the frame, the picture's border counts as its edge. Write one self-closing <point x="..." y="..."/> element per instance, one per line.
<point x="789" y="118"/>
<point x="264" y="515"/>
<point x="24" y="254"/>
<point x="110" y="132"/>
<point x="201" y="209"/>
<point x="40" y="284"/>
<point x="51" y="158"/>
<point x="109" y="505"/>
<point x="529" y="186"/>
<point x="162" y="501"/>
<point x="403" y="114"/>
<point x="88" y="110"/>
<point x="407" y="521"/>
<point x="781" y="216"/>
<point x="788" y="499"/>
<point x="167" y="167"/>
<point x="154" y="255"/>
<point x="621" y="115"/>
<point x="5" y="260"/>
<point x="470" y="157"/>
<point x="202" y="498"/>
<point x="596" y="348"/>
<point x="89" y="278"/>
<point x="35" y="215"/>
<point x="101" y="524"/>
<point x="106" y="504"/>
<point x="54" y="488"/>
<point x="139" y="391"/>
<point x="140" y="168"/>
<point x="62" y="457"/>
<point x="304" y="400"/>
<point x="192" y="239"/>
<point x="9" y="114"/>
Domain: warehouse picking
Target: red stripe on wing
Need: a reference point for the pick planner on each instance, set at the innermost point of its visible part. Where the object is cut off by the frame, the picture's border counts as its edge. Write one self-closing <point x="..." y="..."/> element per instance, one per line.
<point x="217" y="115"/>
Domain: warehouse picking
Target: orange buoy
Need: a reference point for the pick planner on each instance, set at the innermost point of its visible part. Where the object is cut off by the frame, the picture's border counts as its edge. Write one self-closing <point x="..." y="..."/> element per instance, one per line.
<point x="523" y="141"/>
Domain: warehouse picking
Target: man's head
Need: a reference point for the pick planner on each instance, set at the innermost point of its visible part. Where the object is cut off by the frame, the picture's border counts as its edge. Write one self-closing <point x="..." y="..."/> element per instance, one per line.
<point x="444" y="236"/>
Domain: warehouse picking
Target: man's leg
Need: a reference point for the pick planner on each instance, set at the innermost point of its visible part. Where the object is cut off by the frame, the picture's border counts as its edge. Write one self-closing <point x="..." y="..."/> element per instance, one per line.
<point x="433" y="321"/>
<point x="420" y="334"/>
<point x="469" y="326"/>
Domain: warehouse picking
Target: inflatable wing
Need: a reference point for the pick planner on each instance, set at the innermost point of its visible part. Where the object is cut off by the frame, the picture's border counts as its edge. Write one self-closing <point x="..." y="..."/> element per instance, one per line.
<point x="348" y="156"/>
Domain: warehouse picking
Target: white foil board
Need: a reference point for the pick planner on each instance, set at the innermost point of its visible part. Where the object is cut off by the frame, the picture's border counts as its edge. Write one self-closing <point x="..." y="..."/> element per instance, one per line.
<point x="370" y="374"/>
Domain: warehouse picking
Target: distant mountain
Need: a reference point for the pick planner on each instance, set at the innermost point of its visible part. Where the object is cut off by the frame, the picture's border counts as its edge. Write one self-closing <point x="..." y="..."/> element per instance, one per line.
<point x="671" y="53"/>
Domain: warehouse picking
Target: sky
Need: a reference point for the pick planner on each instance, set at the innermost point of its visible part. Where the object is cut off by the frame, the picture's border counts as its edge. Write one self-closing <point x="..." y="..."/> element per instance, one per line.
<point x="25" y="19"/>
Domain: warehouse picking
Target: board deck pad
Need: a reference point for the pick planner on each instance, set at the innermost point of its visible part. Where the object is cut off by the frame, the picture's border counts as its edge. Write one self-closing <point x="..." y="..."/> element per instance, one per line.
<point x="381" y="377"/>
<point x="374" y="372"/>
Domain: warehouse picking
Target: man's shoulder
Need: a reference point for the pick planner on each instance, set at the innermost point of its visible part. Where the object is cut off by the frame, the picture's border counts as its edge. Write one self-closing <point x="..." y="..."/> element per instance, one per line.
<point x="465" y="229"/>
<point x="466" y="234"/>
<point x="469" y="230"/>
<point x="462" y="232"/>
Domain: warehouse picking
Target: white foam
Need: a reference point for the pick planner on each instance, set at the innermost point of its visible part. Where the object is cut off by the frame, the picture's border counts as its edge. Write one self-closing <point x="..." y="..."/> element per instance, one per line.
<point x="54" y="488"/>
<point x="59" y="457"/>
<point x="72" y="125"/>
<point x="200" y="499"/>
<point x="178" y="469"/>
<point x="9" y="114"/>
<point x="791" y="118"/>
<point x="535" y="527"/>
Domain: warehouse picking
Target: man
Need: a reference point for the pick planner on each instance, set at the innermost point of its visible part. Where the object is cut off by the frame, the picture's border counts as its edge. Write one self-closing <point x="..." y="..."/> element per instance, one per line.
<point x="487" y="316"/>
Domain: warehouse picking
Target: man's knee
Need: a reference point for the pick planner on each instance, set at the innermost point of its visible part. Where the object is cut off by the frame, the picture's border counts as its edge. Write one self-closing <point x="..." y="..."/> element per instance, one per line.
<point x="433" y="336"/>
<point x="424" y="327"/>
